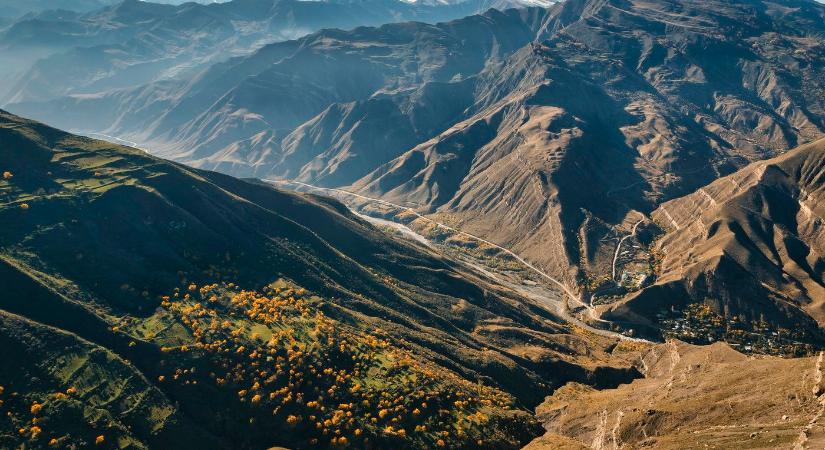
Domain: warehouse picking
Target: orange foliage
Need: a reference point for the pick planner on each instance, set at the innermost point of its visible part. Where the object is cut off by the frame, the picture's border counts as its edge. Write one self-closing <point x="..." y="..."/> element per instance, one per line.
<point x="306" y="365"/>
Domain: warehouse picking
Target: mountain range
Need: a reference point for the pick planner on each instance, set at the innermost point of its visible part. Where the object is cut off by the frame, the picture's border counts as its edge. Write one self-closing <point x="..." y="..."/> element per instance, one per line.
<point x="13" y="9"/>
<point x="53" y="53"/>
<point x="494" y="122"/>
<point x="378" y="224"/>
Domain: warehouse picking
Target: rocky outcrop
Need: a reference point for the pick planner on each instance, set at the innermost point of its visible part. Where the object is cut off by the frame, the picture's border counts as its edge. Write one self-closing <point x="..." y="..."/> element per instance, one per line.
<point x="711" y="395"/>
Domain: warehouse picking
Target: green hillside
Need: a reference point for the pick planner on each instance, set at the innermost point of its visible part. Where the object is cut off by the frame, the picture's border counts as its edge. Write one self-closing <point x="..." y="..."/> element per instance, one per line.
<point x="152" y="305"/>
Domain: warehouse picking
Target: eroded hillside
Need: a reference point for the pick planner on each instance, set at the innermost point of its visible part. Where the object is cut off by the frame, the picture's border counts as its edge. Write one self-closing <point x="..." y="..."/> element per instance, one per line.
<point x="694" y="397"/>
<point x="750" y="245"/>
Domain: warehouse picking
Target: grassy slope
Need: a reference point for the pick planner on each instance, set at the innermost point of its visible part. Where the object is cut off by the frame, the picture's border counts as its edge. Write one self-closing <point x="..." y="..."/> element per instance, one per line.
<point x="97" y="234"/>
<point x="85" y="391"/>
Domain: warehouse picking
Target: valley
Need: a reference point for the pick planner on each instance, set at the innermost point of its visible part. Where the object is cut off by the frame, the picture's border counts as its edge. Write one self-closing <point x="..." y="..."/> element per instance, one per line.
<point x="502" y="265"/>
<point x="203" y="267"/>
<point x="496" y="121"/>
<point x="697" y="324"/>
<point x="372" y="224"/>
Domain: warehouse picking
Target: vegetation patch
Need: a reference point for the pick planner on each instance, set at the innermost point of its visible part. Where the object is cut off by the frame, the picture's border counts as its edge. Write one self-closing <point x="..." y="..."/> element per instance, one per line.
<point x="290" y="370"/>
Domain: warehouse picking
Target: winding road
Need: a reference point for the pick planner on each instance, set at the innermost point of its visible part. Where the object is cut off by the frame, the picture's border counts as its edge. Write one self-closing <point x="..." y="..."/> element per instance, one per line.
<point x="119" y="140"/>
<point x="575" y="300"/>
<point x="561" y="310"/>
<point x="619" y="247"/>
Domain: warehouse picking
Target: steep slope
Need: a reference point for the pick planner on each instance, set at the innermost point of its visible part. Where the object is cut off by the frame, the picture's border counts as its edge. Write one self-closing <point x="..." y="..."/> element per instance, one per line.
<point x="749" y="245"/>
<point x="119" y="399"/>
<point x="133" y="256"/>
<point x="694" y="397"/>
<point x="639" y="101"/>
<point x="348" y="140"/>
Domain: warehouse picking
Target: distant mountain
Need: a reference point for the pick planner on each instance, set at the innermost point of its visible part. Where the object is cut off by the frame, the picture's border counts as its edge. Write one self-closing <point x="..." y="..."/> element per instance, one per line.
<point x="134" y="42"/>
<point x="150" y="303"/>
<point x="16" y="8"/>
<point x="297" y="80"/>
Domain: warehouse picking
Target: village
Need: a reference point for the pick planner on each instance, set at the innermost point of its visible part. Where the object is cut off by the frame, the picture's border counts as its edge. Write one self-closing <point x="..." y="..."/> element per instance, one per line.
<point x="699" y="324"/>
